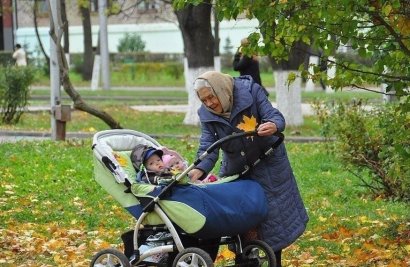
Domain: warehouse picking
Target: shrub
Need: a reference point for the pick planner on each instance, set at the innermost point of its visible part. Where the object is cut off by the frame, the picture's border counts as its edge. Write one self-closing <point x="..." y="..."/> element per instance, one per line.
<point x="372" y="141"/>
<point x="76" y="62"/>
<point x="131" y="43"/>
<point x="14" y="92"/>
<point x="147" y="70"/>
<point x="174" y="69"/>
<point x="6" y="58"/>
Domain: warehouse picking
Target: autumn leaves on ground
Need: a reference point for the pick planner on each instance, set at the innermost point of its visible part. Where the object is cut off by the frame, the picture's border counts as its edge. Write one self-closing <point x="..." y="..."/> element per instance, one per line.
<point x="52" y="212"/>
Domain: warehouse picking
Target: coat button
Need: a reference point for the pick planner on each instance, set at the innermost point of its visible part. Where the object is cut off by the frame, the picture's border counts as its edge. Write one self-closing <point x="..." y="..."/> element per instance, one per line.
<point x="242" y="153"/>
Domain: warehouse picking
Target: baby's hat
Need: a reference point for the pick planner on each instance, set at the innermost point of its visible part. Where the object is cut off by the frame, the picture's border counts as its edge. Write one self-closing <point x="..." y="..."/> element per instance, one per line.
<point x="167" y="159"/>
<point x="169" y="155"/>
<point x="140" y="153"/>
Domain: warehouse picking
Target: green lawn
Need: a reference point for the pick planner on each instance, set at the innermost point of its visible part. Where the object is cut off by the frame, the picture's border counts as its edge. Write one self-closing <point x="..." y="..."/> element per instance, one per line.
<point x="53" y="213"/>
<point x="121" y="80"/>
<point x="153" y="123"/>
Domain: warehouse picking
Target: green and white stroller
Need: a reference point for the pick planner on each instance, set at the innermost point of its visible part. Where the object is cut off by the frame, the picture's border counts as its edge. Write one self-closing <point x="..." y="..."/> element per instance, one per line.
<point x="178" y="224"/>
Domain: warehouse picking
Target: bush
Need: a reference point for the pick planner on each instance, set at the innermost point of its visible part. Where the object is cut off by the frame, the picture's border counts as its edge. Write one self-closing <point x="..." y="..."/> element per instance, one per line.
<point x="372" y="141"/>
<point x="6" y="58"/>
<point x="14" y="92"/>
<point x="76" y="62"/>
<point x="174" y="69"/>
<point x="148" y="70"/>
<point x="131" y="43"/>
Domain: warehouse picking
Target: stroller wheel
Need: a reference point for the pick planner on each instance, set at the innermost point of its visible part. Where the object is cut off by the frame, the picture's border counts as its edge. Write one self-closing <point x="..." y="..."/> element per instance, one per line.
<point x="110" y="257"/>
<point x="193" y="257"/>
<point x="257" y="253"/>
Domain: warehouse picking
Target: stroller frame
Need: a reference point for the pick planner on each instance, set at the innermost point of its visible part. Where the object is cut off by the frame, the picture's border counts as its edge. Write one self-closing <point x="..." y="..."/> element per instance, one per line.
<point x="199" y="257"/>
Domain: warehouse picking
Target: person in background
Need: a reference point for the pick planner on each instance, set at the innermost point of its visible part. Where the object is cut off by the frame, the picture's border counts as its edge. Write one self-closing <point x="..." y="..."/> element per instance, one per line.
<point x="20" y="56"/>
<point x="247" y="65"/>
<point x="232" y="105"/>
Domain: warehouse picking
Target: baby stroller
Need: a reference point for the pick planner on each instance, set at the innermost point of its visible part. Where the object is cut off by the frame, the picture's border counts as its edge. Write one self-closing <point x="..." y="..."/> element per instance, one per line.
<point x="179" y="224"/>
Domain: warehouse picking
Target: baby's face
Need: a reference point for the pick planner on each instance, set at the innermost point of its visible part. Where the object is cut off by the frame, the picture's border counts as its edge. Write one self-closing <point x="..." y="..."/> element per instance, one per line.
<point x="176" y="164"/>
<point x="154" y="163"/>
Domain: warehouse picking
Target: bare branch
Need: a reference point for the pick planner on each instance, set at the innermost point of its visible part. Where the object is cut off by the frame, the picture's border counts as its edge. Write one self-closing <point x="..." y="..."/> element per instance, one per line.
<point x="371" y="90"/>
<point x="67" y="85"/>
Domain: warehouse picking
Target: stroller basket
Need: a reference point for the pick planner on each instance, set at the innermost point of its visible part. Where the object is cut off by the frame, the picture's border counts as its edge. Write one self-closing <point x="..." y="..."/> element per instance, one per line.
<point x="228" y="207"/>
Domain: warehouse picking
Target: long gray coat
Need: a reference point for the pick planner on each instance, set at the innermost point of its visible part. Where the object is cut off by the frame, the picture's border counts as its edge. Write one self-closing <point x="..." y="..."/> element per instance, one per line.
<point x="287" y="216"/>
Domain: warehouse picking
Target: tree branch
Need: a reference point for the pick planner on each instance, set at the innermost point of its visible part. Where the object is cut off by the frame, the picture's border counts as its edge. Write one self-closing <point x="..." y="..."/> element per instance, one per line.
<point x="390" y="29"/>
<point x="69" y="88"/>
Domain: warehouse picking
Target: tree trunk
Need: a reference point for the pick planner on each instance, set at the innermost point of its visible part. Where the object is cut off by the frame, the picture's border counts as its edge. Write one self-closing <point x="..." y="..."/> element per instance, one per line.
<point x="47" y="58"/>
<point x="69" y="89"/>
<point x="66" y="31"/>
<point x="66" y="28"/>
<point x="289" y="96"/>
<point x="195" y="25"/>
<point x="88" y="56"/>
<point x="217" y="55"/>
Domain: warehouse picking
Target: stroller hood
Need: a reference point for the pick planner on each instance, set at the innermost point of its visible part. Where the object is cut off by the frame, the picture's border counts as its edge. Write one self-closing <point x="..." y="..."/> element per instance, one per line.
<point x="141" y="153"/>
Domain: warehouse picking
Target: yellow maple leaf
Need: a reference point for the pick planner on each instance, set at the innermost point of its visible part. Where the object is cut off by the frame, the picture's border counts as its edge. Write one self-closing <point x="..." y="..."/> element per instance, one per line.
<point x="121" y="160"/>
<point x="248" y="124"/>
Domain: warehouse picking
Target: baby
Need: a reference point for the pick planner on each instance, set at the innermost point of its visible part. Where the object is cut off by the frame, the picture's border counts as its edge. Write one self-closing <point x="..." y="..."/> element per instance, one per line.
<point x="173" y="161"/>
<point x="157" y="166"/>
<point x="148" y="162"/>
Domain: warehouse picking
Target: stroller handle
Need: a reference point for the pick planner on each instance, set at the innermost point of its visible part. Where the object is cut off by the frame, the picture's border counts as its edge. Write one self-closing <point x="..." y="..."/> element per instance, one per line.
<point x="228" y="138"/>
<point x="214" y="146"/>
<point x="218" y="143"/>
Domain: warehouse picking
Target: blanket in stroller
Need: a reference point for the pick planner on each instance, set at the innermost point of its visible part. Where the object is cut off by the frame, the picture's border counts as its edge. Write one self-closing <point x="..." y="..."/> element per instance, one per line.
<point x="228" y="207"/>
<point x="210" y="210"/>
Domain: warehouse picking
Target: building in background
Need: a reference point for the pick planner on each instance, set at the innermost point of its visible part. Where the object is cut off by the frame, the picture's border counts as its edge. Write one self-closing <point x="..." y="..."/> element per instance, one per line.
<point x="6" y="26"/>
<point x="154" y="21"/>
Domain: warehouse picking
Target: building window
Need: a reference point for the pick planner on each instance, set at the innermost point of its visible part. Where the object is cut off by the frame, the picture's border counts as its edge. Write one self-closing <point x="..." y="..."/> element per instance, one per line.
<point x="147" y="6"/>
<point x="42" y="8"/>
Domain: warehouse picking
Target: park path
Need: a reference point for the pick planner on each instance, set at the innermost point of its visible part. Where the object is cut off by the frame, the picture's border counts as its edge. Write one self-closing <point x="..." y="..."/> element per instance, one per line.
<point x="14" y="136"/>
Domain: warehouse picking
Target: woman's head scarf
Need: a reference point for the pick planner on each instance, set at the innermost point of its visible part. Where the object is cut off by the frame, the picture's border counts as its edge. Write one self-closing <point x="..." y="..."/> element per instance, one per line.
<point x="222" y="87"/>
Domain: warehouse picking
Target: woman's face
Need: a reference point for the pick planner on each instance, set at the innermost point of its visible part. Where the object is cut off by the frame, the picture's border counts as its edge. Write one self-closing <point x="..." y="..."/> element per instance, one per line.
<point x="207" y="97"/>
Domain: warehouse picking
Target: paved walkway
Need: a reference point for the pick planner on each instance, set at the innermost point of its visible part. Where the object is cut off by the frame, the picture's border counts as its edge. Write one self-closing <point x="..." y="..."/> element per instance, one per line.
<point x="14" y="136"/>
<point x="306" y="108"/>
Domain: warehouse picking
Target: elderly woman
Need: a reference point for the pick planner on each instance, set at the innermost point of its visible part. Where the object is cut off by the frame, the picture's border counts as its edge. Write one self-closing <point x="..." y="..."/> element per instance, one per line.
<point x="232" y="105"/>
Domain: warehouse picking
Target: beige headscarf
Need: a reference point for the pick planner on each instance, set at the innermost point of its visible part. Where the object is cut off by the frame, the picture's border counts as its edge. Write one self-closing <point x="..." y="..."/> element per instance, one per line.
<point x="222" y="87"/>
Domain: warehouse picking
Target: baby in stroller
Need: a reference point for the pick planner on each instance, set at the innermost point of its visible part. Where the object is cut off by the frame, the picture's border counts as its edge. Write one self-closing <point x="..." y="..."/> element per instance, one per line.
<point x="184" y="223"/>
<point x="156" y="165"/>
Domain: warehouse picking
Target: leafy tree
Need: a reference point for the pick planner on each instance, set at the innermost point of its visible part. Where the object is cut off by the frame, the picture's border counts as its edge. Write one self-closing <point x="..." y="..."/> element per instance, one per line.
<point x="373" y="29"/>
<point x="131" y="43"/>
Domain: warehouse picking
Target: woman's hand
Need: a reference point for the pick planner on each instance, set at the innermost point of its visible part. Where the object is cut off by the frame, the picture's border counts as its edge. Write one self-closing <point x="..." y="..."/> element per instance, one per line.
<point x="195" y="174"/>
<point x="267" y="128"/>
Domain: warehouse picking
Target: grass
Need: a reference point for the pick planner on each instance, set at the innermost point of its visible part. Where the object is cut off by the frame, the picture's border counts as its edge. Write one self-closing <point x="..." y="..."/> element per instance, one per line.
<point x="152" y="123"/>
<point x="53" y="213"/>
<point x="121" y="80"/>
